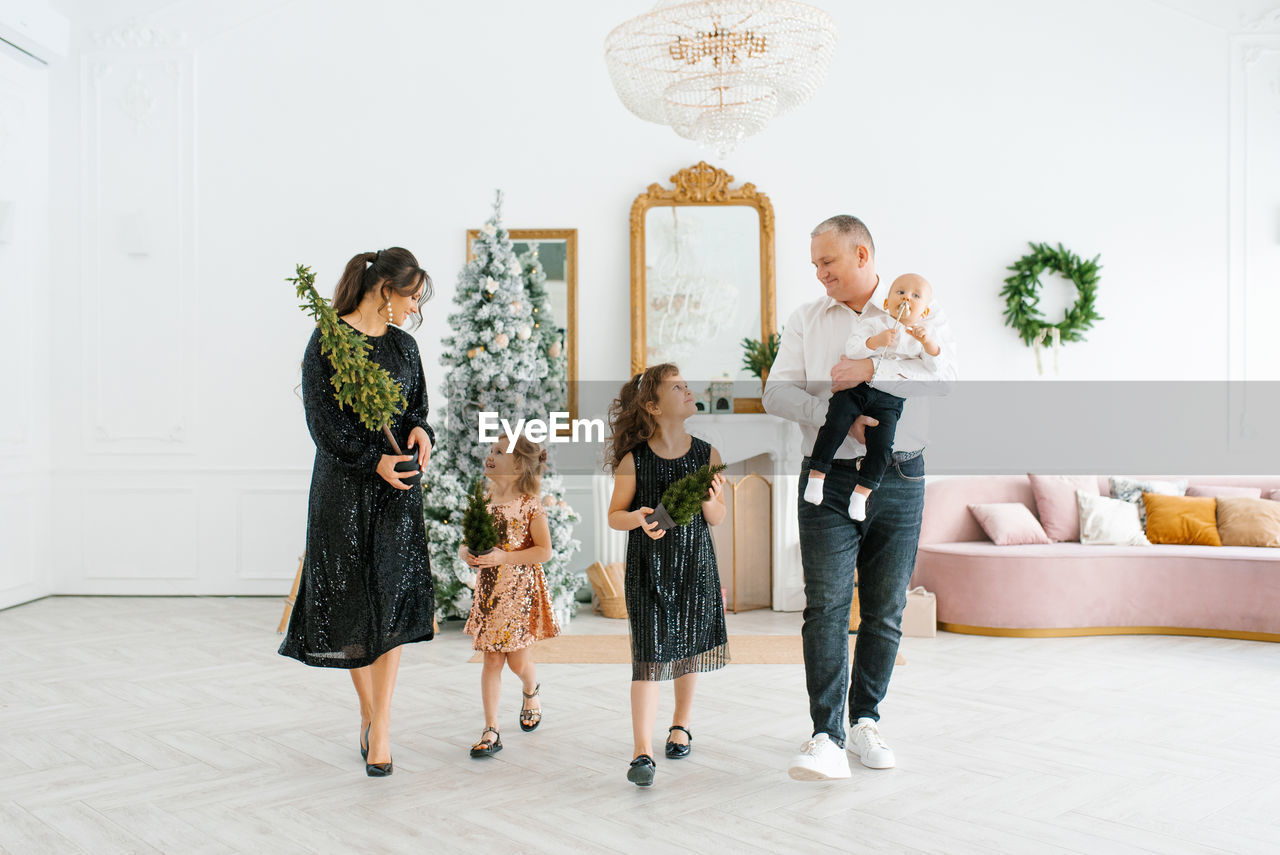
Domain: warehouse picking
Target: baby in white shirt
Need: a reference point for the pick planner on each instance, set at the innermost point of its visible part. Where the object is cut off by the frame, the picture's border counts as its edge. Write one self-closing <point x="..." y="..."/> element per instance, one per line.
<point x="908" y="304"/>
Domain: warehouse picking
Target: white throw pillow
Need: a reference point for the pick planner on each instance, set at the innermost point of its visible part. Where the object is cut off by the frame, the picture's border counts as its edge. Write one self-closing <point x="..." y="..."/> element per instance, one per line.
<point x="1109" y="522"/>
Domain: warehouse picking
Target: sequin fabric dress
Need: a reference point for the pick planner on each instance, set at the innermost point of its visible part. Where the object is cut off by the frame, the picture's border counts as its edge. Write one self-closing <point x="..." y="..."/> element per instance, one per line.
<point x="511" y="608"/>
<point x="366" y="580"/>
<point x="672" y="585"/>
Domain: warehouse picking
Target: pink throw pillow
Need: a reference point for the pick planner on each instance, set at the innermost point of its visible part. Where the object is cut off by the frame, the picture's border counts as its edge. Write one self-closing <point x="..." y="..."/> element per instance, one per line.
<point x="1009" y="523"/>
<point x="1056" y="503"/>
<point x="1226" y="492"/>
<point x="1274" y="496"/>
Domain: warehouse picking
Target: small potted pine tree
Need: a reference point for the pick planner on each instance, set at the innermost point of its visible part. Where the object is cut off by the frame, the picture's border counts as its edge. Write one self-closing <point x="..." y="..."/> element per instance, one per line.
<point x="683" y="498"/>
<point x="358" y="382"/>
<point x="479" y="534"/>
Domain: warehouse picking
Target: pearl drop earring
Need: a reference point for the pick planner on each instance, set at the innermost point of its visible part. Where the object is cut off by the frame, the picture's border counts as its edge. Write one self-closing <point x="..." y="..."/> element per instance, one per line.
<point x="390" y="317"/>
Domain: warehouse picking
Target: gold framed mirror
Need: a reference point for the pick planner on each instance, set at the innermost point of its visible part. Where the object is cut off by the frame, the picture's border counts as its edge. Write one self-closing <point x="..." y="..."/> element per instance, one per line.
<point x="557" y="251"/>
<point x="702" y="273"/>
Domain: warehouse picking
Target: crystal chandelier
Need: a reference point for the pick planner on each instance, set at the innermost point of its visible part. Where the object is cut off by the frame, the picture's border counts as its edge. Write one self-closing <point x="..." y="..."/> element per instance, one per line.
<point x="717" y="71"/>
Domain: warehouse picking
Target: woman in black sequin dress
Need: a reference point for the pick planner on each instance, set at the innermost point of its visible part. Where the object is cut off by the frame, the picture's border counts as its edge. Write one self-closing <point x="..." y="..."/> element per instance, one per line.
<point x="672" y="584"/>
<point x="366" y="583"/>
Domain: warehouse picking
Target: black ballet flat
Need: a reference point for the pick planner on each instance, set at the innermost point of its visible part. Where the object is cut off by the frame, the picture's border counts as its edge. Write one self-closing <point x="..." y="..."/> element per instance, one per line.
<point x="674" y="749"/>
<point x="364" y="743"/>
<point x="642" y="771"/>
<point x="487" y="747"/>
<point x="378" y="770"/>
<point x="530" y="719"/>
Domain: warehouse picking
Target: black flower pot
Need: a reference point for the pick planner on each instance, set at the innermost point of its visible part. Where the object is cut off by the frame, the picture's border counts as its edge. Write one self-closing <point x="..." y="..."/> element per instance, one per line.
<point x="408" y="466"/>
<point x="662" y="518"/>
<point x="481" y="552"/>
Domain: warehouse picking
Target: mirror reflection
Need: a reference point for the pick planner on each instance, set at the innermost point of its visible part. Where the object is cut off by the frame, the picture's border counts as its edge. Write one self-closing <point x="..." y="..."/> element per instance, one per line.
<point x="702" y="287"/>
<point x="549" y="259"/>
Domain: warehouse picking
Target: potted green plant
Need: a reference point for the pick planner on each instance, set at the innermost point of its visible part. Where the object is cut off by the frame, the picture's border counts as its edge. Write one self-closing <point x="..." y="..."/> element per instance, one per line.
<point x="758" y="356"/>
<point x="683" y="498"/>
<point x="479" y="534"/>
<point x="358" y="382"/>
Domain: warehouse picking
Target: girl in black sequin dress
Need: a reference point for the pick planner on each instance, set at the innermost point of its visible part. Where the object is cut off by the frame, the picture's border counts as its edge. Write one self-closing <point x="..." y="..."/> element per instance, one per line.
<point x="366" y="583"/>
<point x="672" y="584"/>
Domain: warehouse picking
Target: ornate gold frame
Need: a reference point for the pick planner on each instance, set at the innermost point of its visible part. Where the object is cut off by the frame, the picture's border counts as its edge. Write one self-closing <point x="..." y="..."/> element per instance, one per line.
<point x="700" y="184"/>
<point x="570" y="238"/>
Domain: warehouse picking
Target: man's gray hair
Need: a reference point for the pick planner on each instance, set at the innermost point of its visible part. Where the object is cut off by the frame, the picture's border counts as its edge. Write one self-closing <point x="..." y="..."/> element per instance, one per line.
<point x="849" y="226"/>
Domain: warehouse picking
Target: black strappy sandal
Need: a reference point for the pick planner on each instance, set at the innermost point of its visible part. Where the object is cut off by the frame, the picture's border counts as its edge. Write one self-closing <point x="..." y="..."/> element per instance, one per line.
<point x="676" y="750"/>
<point x="487" y="747"/>
<point x="530" y="719"/>
<point x="641" y="771"/>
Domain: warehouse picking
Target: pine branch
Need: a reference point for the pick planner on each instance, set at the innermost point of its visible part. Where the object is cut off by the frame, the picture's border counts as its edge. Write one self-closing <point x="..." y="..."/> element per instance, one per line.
<point x="358" y="382"/>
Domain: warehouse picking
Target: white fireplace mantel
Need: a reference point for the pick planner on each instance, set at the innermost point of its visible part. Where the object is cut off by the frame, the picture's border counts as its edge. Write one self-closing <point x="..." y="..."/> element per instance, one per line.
<point x="738" y="437"/>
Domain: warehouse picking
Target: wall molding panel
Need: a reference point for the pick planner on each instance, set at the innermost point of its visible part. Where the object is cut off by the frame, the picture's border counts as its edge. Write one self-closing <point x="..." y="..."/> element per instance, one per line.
<point x="21" y="198"/>
<point x="270" y="533"/>
<point x="140" y="533"/>
<point x="1253" y="225"/>
<point x="137" y="220"/>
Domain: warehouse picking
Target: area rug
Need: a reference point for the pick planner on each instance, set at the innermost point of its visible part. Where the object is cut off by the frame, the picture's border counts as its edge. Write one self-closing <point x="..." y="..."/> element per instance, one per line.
<point x="616" y="650"/>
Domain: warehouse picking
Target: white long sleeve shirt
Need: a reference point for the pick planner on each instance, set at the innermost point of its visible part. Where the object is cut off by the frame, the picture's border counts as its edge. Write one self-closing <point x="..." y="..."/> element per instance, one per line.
<point x="814" y="339"/>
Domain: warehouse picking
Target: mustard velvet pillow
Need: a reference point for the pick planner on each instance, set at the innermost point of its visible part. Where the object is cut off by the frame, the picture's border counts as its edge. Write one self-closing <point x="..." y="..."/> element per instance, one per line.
<point x="1249" y="522"/>
<point x="1187" y="520"/>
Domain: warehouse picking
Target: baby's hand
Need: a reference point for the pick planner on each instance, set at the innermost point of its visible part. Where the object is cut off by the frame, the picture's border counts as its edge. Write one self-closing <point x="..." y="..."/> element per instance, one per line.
<point x="883" y="339"/>
<point x="919" y="332"/>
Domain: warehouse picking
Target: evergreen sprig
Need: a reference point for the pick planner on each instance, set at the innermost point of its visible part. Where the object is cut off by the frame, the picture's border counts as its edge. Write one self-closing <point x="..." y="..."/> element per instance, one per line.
<point x="758" y="356"/>
<point x="1022" y="293"/>
<point x="683" y="498"/>
<point x="478" y="530"/>
<point x="358" y="382"/>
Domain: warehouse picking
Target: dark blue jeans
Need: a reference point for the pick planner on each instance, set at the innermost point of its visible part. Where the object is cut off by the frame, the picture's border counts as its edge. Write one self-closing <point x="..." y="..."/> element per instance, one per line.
<point x="883" y="550"/>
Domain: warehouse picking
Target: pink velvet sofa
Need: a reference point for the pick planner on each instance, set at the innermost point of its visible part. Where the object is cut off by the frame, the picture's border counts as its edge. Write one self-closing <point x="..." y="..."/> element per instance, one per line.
<point x="1071" y="589"/>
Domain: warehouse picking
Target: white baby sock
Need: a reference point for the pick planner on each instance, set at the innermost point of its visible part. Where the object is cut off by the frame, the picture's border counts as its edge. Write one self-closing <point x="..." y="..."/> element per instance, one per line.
<point x="857" y="506"/>
<point x="813" y="491"/>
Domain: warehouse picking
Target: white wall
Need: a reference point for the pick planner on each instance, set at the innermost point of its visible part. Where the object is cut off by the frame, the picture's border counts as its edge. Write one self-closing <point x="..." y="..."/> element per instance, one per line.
<point x="25" y="349"/>
<point x="234" y="139"/>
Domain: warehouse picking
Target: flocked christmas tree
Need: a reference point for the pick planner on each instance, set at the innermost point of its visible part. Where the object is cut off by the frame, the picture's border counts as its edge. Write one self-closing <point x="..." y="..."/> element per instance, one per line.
<point x="495" y="363"/>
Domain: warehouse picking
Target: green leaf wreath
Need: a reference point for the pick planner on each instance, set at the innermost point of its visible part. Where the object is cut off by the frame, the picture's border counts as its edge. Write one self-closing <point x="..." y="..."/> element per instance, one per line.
<point x="1022" y="293"/>
<point x="358" y="382"/>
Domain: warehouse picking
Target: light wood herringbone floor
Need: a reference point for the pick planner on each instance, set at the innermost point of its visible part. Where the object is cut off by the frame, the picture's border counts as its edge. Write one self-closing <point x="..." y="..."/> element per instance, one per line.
<point x="171" y="725"/>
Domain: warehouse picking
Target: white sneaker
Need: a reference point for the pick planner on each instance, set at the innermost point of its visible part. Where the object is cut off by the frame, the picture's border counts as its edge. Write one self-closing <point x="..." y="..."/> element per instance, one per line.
<point x="857" y="506"/>
<point x="865" y="742"/>
<point x="813" y="491"/>
<point x="819" y="759"/>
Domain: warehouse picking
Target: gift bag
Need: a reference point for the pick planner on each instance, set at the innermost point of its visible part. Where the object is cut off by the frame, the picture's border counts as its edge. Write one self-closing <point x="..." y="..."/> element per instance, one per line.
<point x="920" y="617"/>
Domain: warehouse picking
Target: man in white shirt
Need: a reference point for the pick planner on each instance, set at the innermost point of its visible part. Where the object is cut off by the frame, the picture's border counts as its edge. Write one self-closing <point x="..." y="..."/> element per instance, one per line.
<point x="882" y="548"/>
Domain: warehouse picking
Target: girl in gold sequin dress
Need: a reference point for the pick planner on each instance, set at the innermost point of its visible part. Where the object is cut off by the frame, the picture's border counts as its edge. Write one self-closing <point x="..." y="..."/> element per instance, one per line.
<point x="511" y="609"/>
